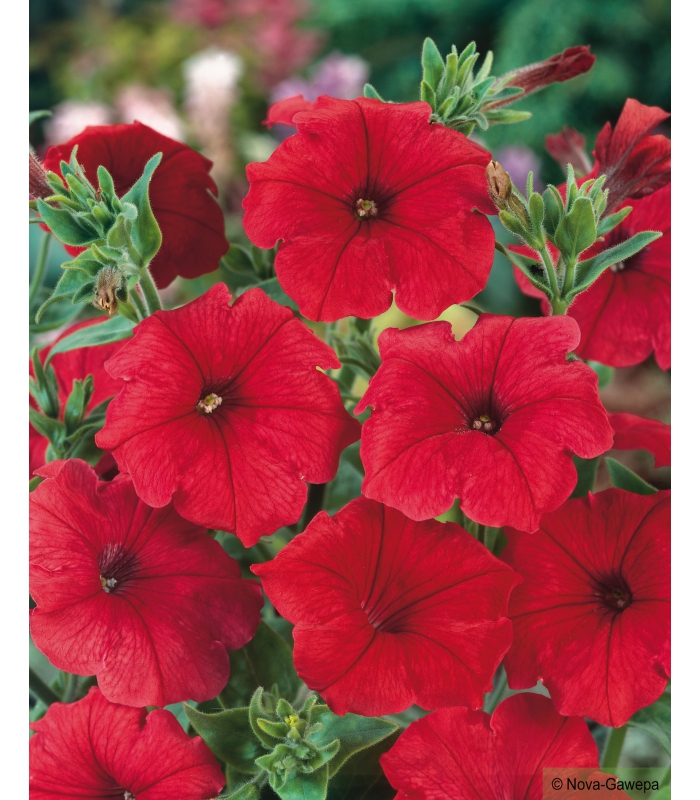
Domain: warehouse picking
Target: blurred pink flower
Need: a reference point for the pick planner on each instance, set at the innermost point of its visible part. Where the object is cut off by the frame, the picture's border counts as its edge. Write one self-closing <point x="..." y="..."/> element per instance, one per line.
<point x="71" y="117"/>
<point x="152" y="107"/>
<point x="518" y="161"/>
<point x="336" y="75"/>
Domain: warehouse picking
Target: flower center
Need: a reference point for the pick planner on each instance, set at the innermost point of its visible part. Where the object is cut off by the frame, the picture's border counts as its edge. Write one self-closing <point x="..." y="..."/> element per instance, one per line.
<point x="117" y="566"/>
<point x="129" y="796"/>
<point x="365" y="209"/>
<point x="615" y="594"/>
<point x="485" y="424"/>
<point x="207" y="404"/>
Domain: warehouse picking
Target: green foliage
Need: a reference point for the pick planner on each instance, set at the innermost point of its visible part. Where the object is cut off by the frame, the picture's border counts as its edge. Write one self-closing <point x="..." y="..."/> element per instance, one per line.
<point x="112" y="330"/>
<point x="656" y="720"/>
<point x="265" y="661"/>
<point x="297" y="750"/>
<point x="623" y="478"/>
<point x="248" y="267"/>
<point x="587" y="468"/>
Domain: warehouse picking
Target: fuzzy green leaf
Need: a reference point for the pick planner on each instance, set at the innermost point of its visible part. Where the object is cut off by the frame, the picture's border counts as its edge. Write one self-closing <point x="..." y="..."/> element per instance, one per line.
<point x="530" y="267"/>
<point x="623" y="478"/>
<point x="65" y="226"/>
<point x="433" y="65"/>
<point x="607" y="224"/>
<point x="229" y="736"/>
<point x="355" y="733"/>
<point x="577" y="230"/>
<point x="370" y="92"/>
<point x="587" y="271"/>
<point x="274" y="291"/>
<point x="312" y="786"/>
<point x="112" y="330"/>
<point x="145" y="233"/>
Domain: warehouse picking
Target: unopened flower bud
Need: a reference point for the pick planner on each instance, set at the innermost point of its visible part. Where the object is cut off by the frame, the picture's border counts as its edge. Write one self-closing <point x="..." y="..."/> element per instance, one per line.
<point x="109" y="281"/>
<point x="501" y="191"/>
<point x="38" y="185"/>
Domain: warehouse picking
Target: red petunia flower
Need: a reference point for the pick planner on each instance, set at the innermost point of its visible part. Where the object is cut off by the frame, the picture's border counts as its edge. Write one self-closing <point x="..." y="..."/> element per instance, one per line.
<point x="635" y="163"/>
<point x="97" y="750"/>
<point x="235" y="409"/>
<point x="181" y="192"/>
<point x="470" y="755"/>
<point x="369" y="197"/>
<point x="639" y="433"/>
<point x="592" y="618"/>
<point x="564" y="66"/>
<point x="625" y="316"/>
<point x="569" y="147"/>
<point x="282" y="112"/>
<point x="492" y="420"/>
<point x="144" y="600"/>
<point x="390" y="612"/>
<point x="70" y="366"/>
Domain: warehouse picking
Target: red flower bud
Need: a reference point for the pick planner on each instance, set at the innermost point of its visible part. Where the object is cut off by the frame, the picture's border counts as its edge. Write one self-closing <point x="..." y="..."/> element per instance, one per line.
<point x="569" y="147"/>
<point x="38" y="185"/>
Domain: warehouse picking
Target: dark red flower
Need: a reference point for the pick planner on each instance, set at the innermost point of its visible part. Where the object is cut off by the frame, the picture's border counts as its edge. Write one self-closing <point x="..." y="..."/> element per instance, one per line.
<point x="97" y="750"/>
<point x="638" y="433"/>
<point x="561" y="67"/>
<point x="390" y="612"/>
<point x="139" y="597"/>
<point x="70" y="366"/>
<point x="592" y="618"/>
<point x="625" y="316"/>
<point x="569" y="147"/>
<point x="369" y="197"/>
<point x="492" y="419"/>
<point x="458" y="753"/>
<point x="231" y="401"/>
<point x="181" y="192"/>
<point x="635" y="163"/>
<point x="283" y="111"/>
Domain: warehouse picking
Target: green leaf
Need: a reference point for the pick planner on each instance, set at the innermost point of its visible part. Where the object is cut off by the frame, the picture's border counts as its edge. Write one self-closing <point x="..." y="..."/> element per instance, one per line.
<point x="229" y="736"/>
<point x="274" y="291"/>
<point x="433" y="65"/>
<point x="106" y="184"/>
<point x="506" y="116"/>
<point x="577" y="230"/>
<point x="311" y="786"/>
<point x="604" y="373"/>
<point x="536" y="208"/>
<point x="113" y="330"/>
<point x="266" y="660"/>
<point x="427" y="94"/>
<point x="35" y="115"/>
<point x="623" y="478"/>
<point x="75" y="404"/>
<point x="66" y="226"/>
<point x="553" y="210"/>
<point x="587" y="469"/>
<point x="363" y="778"/>
<point x="145" y="233"/>
<point x="52" y="429"/>
<point x="257" y="712"/>
<point x="607" y="224"/>
<point x="356" y="733"/>
<point x="370" y="92"/>
<point x="656" y="720"/>
<point x="587" y="271"/>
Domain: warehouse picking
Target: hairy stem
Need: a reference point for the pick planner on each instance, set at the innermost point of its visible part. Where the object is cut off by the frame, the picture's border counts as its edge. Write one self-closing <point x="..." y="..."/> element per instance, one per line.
<point x="137" y="301"/>
<point x="150" y="293"/>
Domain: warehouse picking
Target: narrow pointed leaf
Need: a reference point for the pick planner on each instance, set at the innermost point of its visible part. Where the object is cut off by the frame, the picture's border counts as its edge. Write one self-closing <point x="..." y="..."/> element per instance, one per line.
<point x="623" y="478"/>
<point x="145" y="233"/>
<point x="577" y="230"/>
<point x="433" y="65"/>
<point x="112" y="330"/>
<point x="587" y="468"/>
<point x="370" y="92"/>
<point x="590" y="269"/>
<point x="68" y="228"/>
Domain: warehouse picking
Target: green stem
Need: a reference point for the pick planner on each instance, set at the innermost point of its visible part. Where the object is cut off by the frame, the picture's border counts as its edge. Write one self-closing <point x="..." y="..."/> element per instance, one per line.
<point x="128" y="311"/>
<point x="494" y="696"/>
<point x="40" y="690"/>
<point x="569" y="276"/>
<point x="70" y="684"/>
<point x="150" y="293"/>
<point x="137" y="301"/>
<point x="551" y="274"/>
<point x="613" y="747"/>
<point x="40" y="269"/>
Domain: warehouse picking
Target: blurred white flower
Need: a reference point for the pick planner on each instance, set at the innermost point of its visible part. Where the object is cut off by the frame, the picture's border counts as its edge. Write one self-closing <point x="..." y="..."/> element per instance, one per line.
<point x="211" y="89"/>
<point x="153" y="107"/>
<point x="71" y="117"/>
